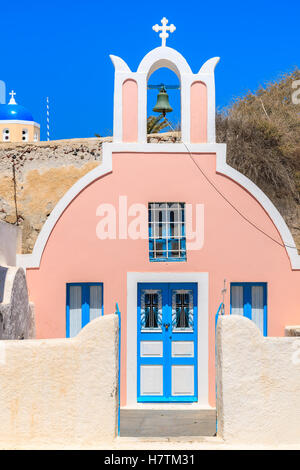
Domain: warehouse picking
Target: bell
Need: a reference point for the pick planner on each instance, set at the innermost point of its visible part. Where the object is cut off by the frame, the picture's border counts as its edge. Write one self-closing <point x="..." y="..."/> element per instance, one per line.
<point x="162" y="105"/>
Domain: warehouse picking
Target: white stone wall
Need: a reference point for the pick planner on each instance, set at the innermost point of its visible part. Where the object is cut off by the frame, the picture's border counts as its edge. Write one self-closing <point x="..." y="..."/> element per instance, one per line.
<point x="10" y="238"/>
<point x="60" y="392"/>
<point x="16" y="312"/>
<point x="258" y="384"/>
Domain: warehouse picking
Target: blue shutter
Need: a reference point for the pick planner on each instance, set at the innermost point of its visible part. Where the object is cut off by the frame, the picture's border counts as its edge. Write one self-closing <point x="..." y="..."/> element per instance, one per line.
<point x="250" y="299"/>
<point x="84" y="304"/>
<point x="75" y="307"/>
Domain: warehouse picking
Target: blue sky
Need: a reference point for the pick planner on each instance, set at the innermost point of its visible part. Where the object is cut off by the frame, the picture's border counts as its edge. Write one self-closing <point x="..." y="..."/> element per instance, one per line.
<point x="61" y="49"/>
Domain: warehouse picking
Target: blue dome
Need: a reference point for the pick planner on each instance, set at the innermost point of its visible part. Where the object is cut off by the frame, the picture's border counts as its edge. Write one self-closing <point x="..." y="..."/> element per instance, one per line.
<point x="16" y="112"/>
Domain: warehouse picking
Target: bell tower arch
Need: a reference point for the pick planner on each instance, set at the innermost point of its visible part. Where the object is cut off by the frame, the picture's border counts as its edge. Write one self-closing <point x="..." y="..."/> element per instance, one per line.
<point x="197" y="94"/>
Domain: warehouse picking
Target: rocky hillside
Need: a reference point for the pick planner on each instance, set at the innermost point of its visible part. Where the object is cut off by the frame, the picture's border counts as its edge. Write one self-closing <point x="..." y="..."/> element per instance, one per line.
<point x="33" y="177"/>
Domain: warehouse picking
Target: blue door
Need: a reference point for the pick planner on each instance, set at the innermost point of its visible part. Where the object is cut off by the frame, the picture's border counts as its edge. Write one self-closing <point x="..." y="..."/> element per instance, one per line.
<point x="167" y="342"/>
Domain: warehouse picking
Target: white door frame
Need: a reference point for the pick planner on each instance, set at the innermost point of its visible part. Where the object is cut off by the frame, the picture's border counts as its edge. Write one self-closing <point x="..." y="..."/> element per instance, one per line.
<point x="131" y="341"/>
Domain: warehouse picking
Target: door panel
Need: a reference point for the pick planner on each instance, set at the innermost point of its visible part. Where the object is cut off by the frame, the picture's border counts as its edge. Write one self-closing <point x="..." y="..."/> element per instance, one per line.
<point x="151" y="348"/>
<point x="182" y="380"/>
<point x="152" y="380"/>
<point x="182" y="349"/>
<point x="167" y="342"/>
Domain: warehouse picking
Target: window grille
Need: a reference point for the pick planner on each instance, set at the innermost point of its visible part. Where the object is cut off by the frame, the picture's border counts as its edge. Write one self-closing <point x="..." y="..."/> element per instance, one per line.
<point x="167" y="240"/>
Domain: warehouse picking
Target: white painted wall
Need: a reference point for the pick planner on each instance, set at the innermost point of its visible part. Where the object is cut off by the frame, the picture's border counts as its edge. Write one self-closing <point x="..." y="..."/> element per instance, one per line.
<point x="60" y="392"/>
<point x="9" y="243"/>
<point x="258" y="384"/>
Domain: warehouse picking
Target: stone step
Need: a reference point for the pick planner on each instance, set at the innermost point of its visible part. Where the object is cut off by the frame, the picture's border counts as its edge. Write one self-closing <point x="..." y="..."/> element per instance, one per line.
<point x="167" y="423"/>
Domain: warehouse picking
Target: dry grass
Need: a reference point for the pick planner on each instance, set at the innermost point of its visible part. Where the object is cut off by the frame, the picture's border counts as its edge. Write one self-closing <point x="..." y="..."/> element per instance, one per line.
<point x="262" y="131"/>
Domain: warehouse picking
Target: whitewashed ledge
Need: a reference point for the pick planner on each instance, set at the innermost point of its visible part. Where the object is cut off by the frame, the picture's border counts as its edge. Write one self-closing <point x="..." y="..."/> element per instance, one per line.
<point x="292" y="330"/>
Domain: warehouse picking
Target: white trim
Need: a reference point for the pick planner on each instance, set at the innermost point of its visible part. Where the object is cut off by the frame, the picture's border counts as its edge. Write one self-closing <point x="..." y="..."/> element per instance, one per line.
<point x="119" y="64"/>
<point x="173" y="60"/>
<point x="209" y="66"/>
<point x="26" y="123"/>
<point x="164" y="57"/>
<point x="131" y="341"/>
<point x="286" y="236"/>
<point x="33" y="260"/>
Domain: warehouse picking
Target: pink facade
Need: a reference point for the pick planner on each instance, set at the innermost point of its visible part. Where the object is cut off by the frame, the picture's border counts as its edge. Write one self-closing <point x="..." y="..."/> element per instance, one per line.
<point x="69" y="249"/>
<point x="232" y="249"/>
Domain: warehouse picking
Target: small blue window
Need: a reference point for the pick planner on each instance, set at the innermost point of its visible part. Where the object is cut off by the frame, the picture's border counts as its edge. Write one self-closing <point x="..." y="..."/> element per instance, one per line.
<point x="84" y="304"/>
<point x="250" y="300"/>
<point x="167" y="240"/>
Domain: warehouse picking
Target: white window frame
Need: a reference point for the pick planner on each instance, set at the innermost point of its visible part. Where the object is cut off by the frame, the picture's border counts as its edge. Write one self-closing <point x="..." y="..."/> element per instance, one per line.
<point x="160" y="236"/>
<point x="25" y="134"/>
<point x="5" y="133"/>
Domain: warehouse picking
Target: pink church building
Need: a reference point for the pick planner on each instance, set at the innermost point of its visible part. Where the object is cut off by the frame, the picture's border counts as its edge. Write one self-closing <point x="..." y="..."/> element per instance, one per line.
<point x="158" y="228"/>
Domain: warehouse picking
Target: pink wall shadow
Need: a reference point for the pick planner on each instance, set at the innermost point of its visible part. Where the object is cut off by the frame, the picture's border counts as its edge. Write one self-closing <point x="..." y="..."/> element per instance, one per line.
<point x="198" y="112"/>
<point x="130" y="110"/>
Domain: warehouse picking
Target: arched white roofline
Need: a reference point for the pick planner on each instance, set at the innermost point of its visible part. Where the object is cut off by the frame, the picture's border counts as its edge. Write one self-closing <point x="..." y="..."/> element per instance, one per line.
<point x="33" y="260"/>
<point x="164" y="57"/>
<point x="209" y="66"/>
<point x="119" y="64"/>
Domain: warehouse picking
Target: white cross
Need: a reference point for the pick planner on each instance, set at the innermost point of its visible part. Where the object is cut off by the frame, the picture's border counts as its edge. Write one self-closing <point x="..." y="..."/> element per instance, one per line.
<point x="164" y="28"/>
<point x="12" y="100"/>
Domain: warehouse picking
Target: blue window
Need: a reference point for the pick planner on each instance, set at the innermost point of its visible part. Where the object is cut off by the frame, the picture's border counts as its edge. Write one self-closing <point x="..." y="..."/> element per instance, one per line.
<point x="84" y="304"/>
<point x="167" y="240"/>
<point x="250" y="300"/>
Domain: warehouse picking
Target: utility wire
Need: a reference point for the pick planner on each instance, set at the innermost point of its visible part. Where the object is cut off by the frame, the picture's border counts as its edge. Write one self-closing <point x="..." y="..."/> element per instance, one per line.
<point x="15" y="189"/>
<point x="15" y="181"/>
<point x="227" y="200"/>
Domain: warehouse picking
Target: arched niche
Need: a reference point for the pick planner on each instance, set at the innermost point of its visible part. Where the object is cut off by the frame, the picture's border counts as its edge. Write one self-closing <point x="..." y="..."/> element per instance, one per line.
<point x="166" y="57"/>
<point x="198" y="118"/>
<point x="130" y="110"/>
<point x="166" y="76"/>
<point x="162" y="63"/>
